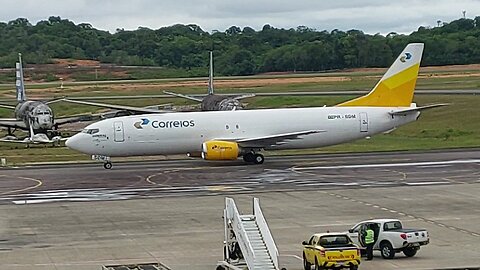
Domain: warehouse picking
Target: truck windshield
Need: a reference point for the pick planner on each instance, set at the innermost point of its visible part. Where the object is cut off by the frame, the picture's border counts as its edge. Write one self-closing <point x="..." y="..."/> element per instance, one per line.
<point x="392" y="226"/>
<point x="330" y="241"/>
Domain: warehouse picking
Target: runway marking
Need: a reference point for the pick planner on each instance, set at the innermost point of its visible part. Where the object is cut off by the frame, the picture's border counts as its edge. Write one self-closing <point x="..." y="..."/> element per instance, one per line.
<point x="427" y="183"/>
<point x="430" y="221"/>
<point x="39" y="183"/>
<point x="383" y="165"/>
<point x="291" y="255"/>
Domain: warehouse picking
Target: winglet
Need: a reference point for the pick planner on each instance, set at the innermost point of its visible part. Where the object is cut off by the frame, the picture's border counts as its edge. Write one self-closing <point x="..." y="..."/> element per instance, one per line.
<point x="396" y="87"/>
<point x="19" y="83"/>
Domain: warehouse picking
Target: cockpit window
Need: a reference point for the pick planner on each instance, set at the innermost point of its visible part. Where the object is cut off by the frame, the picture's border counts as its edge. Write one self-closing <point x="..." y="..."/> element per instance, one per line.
<point x="90" y="130"/>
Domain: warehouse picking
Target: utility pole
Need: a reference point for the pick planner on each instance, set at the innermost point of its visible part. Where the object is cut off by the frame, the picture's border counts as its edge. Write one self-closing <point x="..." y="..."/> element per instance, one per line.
<point x="464" y="12"/>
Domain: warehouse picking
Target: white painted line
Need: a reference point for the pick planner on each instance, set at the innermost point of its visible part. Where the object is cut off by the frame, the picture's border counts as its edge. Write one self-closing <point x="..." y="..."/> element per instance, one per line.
<point x="426" y="183"/>
<point x="436" y="166"/>
<point x="406" y="164"/>
<point x="294" y="256"/>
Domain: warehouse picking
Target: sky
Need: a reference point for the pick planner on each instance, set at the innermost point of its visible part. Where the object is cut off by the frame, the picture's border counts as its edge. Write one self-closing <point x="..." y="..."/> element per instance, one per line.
<point x="369" y="16"/>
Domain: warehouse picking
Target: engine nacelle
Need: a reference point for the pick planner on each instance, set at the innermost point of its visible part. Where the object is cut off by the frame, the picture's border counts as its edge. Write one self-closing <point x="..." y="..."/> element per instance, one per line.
<point x="220" y="150"/>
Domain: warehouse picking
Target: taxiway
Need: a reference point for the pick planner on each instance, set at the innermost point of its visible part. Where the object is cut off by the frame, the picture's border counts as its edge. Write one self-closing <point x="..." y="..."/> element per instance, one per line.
<point x="83" y="216"/>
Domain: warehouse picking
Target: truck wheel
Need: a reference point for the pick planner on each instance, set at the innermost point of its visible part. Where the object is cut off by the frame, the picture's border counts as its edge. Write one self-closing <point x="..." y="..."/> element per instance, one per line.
<point x="353" y="267"/>
<point x="387" y="250"/>
<point x="410" y="252"/>
<point x="306" y="264"/>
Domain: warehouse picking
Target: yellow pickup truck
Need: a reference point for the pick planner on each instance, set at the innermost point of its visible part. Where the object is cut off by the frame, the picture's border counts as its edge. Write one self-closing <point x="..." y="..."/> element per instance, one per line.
<point x="330" y="250"/>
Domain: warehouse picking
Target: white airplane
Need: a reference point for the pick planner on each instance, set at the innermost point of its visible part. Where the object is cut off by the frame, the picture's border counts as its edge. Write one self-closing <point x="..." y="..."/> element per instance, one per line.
<point x="227" y="135"/>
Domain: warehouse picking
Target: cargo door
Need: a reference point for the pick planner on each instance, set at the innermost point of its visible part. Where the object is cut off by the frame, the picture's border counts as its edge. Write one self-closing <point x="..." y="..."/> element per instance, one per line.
<point x="118" y="134"/>
<point x="363" y="122"/>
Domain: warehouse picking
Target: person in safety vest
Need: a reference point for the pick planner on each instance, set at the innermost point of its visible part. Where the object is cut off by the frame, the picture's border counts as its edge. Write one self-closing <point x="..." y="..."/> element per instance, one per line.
<point x="369" y="241"/>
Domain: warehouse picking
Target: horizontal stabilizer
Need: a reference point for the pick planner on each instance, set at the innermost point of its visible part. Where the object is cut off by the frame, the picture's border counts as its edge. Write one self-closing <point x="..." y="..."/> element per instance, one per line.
<point x="183" y="96"/>
<point x="116" y="107"/>
<point x="244" y="96"/>
<point x="417" y="109"/>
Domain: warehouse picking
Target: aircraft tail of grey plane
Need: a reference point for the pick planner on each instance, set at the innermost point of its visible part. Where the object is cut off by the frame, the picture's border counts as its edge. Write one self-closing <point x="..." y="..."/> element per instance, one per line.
<point x="210" y="75"/>
<point x="19" y="82"/>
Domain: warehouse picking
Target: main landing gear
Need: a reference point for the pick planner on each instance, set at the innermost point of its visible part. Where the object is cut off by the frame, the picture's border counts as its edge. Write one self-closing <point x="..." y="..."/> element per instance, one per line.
<point x="255" y="158"/>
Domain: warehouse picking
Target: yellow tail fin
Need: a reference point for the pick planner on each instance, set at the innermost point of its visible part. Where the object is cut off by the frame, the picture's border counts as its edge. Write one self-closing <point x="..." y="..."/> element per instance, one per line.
<point x="396" y="87"/>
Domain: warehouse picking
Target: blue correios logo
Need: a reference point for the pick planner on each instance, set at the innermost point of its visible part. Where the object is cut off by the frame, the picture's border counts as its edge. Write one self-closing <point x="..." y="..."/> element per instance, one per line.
<point x="406" y="57"/>
<point x="139" y="124"/>
<point x="145" y="121"/>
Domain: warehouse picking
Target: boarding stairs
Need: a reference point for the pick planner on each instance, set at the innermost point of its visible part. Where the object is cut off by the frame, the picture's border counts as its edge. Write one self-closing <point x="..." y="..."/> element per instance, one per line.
<point x="248" y="241"/>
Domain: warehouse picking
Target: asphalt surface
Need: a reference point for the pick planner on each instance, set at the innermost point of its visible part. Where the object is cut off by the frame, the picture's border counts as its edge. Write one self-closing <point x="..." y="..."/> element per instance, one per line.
<point x="83" y="216"/>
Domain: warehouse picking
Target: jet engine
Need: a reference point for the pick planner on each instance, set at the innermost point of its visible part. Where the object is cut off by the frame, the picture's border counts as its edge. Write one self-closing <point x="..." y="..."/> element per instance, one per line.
<point x="220" y="150"/>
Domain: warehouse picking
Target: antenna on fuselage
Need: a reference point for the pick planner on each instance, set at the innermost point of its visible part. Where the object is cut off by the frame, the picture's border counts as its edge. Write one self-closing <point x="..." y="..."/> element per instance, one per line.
<point x="210" y="75"/>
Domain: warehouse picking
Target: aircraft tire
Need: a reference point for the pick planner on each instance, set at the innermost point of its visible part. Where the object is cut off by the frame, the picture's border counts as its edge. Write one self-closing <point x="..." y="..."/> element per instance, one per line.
<point x="258" y="159"/>
<point x="107" y="165"/>
<point x="249" y="157"/>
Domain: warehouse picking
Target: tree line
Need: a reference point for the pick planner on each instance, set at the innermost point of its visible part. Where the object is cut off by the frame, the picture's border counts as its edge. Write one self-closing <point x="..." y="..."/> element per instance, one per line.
<point x="237" y="51"/>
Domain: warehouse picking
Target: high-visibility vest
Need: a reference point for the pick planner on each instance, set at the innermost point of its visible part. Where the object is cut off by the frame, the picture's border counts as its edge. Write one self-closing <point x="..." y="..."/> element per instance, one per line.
<point x="369" y="237"/>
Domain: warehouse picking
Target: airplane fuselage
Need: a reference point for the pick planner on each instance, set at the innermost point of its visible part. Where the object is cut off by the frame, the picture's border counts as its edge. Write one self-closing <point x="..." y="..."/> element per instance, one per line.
<point x="220" y="103"/>
<point x="181" y="133"/>
<point x="36" y="113"/>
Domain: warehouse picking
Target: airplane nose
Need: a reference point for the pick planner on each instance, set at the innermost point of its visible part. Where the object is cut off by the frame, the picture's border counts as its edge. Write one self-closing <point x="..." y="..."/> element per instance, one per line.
<point x="73" y="142"/>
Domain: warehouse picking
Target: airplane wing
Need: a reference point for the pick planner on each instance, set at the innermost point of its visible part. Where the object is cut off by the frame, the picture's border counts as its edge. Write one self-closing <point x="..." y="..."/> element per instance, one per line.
<point x="272" y="140"/>
<point x="76" y="118"/>
<point x="417" y="109"/>
<point x="244" y="96"/>
<point x="183" y="96"/>
<point x="13" y="141"/>
<point x="117" y="107"/>
<point x="18" y="141"/>
<point x="12" y="123"/>
<point x="5" y="106"/>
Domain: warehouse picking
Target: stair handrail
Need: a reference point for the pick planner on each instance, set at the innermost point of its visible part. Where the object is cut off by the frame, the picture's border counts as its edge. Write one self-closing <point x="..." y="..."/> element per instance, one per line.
<point x="240" y="233"/>
<point x="265" y="231"/>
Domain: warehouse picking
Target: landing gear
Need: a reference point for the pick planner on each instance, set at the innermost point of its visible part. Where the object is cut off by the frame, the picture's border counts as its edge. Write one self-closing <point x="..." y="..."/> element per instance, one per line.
<point x="252" y="157"/>
<point x="107" y="165"/>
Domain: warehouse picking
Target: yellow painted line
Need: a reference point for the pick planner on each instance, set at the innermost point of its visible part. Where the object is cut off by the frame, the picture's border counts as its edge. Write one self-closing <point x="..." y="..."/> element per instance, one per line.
<point x="39" y="183"/>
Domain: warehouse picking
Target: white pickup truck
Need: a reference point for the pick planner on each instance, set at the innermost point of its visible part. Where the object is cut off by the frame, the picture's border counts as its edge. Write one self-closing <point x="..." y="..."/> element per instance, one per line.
<point x="391" y="237"/>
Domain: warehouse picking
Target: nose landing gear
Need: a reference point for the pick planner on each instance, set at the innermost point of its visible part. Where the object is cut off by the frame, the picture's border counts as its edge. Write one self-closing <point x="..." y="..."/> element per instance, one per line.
<point x="107" y="165"/>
